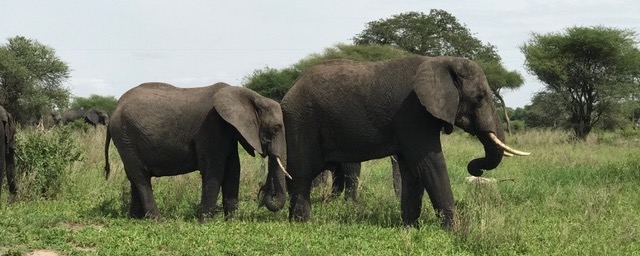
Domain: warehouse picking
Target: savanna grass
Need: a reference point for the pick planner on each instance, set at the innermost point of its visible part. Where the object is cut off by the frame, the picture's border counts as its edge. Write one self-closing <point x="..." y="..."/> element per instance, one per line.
<point x="568" y="197"/>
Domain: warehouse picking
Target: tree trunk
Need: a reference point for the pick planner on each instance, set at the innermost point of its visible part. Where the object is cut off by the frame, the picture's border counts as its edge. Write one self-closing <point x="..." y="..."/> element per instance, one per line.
<point x="506" y="113"/>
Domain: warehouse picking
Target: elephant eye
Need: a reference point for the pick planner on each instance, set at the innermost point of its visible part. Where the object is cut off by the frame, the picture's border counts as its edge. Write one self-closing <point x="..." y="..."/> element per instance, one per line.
<point x="276" y="128"/>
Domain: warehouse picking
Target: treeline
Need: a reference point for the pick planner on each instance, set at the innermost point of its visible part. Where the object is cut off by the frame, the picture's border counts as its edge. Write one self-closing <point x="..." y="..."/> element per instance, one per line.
<point x="591" y="75"/>
<point x="32" y="81"/>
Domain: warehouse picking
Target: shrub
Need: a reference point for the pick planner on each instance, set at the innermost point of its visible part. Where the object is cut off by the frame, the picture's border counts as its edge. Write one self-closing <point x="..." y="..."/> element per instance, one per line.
<point x="42" y="158"/>
<point x="78" y="125"/>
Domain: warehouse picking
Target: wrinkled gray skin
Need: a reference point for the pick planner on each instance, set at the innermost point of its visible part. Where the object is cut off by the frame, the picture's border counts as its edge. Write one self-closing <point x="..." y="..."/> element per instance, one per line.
<point x="345" y="111"/>
<point x="162" y="130"/>
<point x="7" y="152"/>
<point x="91" y="116"/>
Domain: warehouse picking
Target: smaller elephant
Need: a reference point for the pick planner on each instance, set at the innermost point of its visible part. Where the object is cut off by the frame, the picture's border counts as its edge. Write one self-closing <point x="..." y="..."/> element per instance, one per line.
<point x="49" y="120"/>
<point x="91" y="116"/>
<point x="162" y="130"/>
<point x="7" y="152"/>
<point x="345" y="177"/>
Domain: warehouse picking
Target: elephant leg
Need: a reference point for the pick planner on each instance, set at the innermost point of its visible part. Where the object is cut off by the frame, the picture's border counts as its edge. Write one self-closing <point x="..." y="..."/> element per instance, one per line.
<point x="300" y="196"/>
<point x="148" y="202"/>
<point x="300" y="201"/>
<point x="436" y="181"/>
<point x="11" y="174"/>
<point x="230" y="185"/>
<point x="338" y="180"/>
<point x="2" y="174"/>
<point x="397" y="179"/>
<point x="211" y="182"/>
<point x="135" y="208"/>
<point x="141" y="190"/>
<point x="412" y="192"/>
<point x="352" y="175"/>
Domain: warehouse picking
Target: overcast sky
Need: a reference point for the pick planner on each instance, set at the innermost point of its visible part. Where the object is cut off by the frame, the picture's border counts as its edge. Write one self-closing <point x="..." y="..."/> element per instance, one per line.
<point x="112" y="46"/>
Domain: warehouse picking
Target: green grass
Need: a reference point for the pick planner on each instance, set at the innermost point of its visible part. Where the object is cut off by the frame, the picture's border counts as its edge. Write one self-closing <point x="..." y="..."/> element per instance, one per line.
<point x="566" y="198"/>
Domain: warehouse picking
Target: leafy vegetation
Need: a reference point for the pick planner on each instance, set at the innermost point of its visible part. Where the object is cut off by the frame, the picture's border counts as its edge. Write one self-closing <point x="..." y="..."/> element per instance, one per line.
<point x="106" y="103"/>
<point x="440" y="34"/>
<point x="566" y="198"/>
<point x="43" y="159"/>
<point x="591" y="70"/>
<point x="31" y="78"/>
<point x="274" y="83"/>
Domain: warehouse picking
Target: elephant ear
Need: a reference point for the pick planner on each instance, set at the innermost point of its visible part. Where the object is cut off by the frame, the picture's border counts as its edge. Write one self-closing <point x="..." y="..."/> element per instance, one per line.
<point x="435" y="85"/>
<point x="92" y="116"/>
<point x="236" y="106"/>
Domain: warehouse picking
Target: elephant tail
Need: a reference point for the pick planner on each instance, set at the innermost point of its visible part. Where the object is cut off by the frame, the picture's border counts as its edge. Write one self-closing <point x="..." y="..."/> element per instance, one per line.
<point x="107" y="168"/>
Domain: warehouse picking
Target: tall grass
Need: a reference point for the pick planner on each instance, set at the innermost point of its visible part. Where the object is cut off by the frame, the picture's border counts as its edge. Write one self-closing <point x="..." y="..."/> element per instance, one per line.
<point x="568" y="197"/>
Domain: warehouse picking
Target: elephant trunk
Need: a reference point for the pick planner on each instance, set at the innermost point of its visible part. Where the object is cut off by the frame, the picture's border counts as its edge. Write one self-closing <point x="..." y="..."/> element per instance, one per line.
<point x="495" y="149"/>
<point x="492" y="158"/>
<point x="273" y="194"/>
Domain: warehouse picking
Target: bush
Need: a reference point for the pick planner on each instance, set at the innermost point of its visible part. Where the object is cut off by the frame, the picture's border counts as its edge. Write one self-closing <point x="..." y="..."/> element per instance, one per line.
<point x="42" y="158"/>
<point x="79" y="125"/>
<point x="518" y="126"/>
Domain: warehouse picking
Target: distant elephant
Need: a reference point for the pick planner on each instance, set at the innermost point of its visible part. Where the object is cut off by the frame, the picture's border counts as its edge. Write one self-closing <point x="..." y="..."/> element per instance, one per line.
<point x="91" y="116"/>
<point x="50" y="119"/>
<point x="346" y="111"/>
<point x="162" y="130"/>
<point x="345" y="178"/>
<point x="7" y="152"/>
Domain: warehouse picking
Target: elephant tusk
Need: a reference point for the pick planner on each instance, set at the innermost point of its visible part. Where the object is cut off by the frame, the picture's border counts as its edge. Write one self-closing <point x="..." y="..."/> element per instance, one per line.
<point x="507" y="148"/>
<point x="507" y="154"/>
<point x="282" y="167"/>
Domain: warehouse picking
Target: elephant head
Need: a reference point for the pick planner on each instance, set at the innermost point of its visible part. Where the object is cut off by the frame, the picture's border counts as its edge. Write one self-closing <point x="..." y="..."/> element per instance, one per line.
<point x="96" y="116"/>
<point x="259" y="120"/>
<point x="56" y="117"/>
<point x="455" y="90"/>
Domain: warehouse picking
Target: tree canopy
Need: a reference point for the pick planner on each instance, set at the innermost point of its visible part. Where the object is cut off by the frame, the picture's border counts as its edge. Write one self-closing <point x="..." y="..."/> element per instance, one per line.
<point x="589" y="69"/>
<point x="435" y="34"/>
<point x="31" y="78"/>
<point x="274" y="83"/>
<point x="439" y="33"/>
<point x="106" y="103"/>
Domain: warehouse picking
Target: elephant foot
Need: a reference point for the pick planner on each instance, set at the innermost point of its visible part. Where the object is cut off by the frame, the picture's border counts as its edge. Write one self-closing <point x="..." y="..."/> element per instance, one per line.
<point x="446" y="221"/>
<point x="12" y="198"/>
<point x="230" y="208"/>
<point x="413" y="223"/>
<point x="205" y="213"/>
<point x="300" y="211"/>
<point x="203" y="217"/>
<point x="154" y="216"/>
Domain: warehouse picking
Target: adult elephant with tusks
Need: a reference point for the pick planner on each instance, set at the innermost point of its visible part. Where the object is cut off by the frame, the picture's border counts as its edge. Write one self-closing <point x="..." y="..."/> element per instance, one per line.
<point x="346" y="111"/>
<point x="162" y="130"/>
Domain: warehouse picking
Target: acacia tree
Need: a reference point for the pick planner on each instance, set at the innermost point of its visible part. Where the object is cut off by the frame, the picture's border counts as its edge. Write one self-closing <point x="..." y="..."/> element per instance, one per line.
<point x="274" y="83"/>
<point x="589" y="68"/>
<point x="500" y="79"/>
<point x="439" y="33"/>
<point x="31" y="78"/>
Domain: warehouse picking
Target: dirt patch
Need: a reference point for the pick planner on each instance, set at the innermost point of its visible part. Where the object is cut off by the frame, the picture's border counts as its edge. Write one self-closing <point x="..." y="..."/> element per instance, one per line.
<point x="75" y="227"/>
<point x="43" y="253"/>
